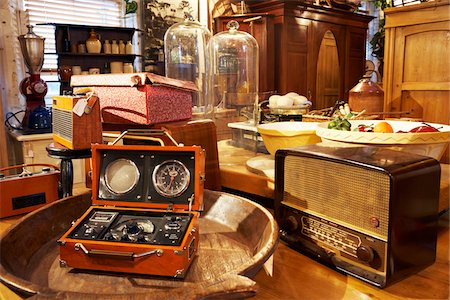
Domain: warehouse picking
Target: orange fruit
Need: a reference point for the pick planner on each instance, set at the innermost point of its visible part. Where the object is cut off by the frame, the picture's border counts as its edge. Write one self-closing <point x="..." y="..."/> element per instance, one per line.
<point x="383" y="127"/>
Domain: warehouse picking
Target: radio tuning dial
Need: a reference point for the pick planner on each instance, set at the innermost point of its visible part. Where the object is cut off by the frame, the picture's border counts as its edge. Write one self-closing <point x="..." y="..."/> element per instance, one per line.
<point x="291" y="224"/>
<point x="365" y="253"/>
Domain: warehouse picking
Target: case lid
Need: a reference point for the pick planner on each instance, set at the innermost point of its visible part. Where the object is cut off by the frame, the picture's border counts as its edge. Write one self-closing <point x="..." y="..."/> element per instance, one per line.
<point x="130" y="79"/>
<point x="160" y="177"/>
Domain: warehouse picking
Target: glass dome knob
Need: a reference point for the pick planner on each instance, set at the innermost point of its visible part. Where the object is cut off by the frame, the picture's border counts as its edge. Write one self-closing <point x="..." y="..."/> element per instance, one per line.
<point x="189" y="17"/>
<point x="233" y="25"/>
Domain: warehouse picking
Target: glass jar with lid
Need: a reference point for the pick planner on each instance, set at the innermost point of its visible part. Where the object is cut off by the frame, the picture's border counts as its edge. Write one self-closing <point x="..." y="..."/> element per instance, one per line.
<point x="233" y="73"/>
<point x="185" y="58"/>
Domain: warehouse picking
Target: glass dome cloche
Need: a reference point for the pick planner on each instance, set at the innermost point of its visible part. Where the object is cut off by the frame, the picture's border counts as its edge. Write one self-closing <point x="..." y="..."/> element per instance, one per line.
<point x="233" y="72"/>
<point x="185" y="58"/>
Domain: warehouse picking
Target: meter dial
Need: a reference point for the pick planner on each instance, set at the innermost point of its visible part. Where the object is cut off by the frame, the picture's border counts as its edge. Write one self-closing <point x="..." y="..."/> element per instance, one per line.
<point x="171" y="178"/>
<point x="121" y="176"/>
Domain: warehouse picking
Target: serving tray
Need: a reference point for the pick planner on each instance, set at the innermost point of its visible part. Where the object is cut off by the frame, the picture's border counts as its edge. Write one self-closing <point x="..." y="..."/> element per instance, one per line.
<point x="236" y="237"/>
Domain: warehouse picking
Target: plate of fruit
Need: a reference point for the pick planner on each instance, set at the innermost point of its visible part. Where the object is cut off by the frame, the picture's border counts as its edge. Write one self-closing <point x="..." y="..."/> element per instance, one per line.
<point x="428" y="139"/>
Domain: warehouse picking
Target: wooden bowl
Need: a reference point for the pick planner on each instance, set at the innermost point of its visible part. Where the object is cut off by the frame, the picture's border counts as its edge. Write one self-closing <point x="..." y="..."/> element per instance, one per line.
<point x="236" y="237"/>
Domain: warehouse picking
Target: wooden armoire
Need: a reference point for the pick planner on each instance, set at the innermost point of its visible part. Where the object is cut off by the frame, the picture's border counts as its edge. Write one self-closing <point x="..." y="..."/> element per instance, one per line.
<point x="298" y="30"/>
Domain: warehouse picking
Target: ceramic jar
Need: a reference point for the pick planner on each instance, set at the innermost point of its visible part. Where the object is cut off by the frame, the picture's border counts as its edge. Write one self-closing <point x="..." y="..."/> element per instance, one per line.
<point x="93" y="44"/>
<point x="81" y="48"/>
<point x="106" y="47"/>
<point x="129" y="48"/>
<point x="116" y="67"/>
<point x="121" y="47"/>
<point x="366" y="95"/>
<point x="128" y="68"/>
<point x="114" y="47"/>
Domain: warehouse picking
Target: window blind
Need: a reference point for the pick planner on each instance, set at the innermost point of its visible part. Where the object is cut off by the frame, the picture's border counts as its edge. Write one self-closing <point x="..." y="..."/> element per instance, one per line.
<point x="82" y="12"/>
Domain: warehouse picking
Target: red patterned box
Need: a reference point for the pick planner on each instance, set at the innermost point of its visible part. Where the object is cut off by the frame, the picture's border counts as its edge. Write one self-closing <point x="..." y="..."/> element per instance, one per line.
<point x="139" y="98"/>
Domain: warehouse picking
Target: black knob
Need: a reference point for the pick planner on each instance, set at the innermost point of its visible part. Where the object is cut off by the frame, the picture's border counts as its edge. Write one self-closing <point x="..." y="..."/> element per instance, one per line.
<point x="290" y="224"/>
<point x="365" y="253"/>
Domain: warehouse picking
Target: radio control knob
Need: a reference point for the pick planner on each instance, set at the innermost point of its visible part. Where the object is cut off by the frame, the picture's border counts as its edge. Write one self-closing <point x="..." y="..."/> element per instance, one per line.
<point x="291" y="224"/>
<point x="365" y="253"/>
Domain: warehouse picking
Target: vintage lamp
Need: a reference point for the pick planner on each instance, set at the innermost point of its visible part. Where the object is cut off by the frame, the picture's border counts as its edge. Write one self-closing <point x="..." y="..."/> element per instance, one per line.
<point x="33" y="87"/>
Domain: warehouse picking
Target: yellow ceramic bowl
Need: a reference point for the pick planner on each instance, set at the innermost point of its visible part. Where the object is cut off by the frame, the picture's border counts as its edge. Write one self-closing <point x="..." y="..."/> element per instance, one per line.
<point x="431" y="144"/>
<point x="288" y="134"/>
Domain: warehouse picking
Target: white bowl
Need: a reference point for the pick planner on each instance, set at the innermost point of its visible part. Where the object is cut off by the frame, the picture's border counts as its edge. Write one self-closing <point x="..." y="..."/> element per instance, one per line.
<point x="431" y="144"/>
<point x="288" y="134"/>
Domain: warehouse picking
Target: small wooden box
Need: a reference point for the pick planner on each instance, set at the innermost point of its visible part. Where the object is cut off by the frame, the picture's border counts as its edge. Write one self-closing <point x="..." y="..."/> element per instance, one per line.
<point x="144" y="218"/>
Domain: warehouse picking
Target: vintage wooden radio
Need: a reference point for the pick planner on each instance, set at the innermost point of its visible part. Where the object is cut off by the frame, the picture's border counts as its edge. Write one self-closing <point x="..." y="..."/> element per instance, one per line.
<point x="27" y="191"/>
<point x="144" y="219"/>
<point x="76" y="121"/>
<point x="369" y="212"/>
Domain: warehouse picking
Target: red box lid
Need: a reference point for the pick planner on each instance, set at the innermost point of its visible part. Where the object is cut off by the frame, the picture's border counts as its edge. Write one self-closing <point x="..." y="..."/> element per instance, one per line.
<point x="160" y="177"/>
<point x="130" y="79"/>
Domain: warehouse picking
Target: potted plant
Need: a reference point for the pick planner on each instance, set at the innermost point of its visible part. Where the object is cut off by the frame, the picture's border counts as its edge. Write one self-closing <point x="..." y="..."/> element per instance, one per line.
<point x="377" y="41"/>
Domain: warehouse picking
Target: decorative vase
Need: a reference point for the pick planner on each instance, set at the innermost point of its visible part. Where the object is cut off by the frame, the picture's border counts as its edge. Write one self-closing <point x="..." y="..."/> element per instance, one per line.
<point x="93" y="44"/>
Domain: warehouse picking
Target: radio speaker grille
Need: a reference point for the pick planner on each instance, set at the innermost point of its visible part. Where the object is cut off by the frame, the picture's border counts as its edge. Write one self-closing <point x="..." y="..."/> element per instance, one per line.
<point x="62" y="123"/>
<point x="354" y="195"/>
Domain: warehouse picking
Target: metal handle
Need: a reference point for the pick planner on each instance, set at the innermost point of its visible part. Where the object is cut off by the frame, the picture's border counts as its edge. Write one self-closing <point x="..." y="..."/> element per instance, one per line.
<point x="116" y="254"/>
<point x="142" y="134"/>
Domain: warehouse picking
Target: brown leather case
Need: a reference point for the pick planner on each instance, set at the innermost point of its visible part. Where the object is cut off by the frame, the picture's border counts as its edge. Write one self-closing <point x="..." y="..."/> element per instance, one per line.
<point x="200" y="132"/>
<point x="23" y="193"/>
<point x="148" y="258"/>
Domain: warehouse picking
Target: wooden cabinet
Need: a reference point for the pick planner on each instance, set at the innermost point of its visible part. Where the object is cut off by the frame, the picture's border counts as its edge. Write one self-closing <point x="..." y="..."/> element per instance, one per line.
<point x="299" y="29"/>
<point x="260" y="26"/>
<point x="417" y="61"/>
<point x="70" y="35"/>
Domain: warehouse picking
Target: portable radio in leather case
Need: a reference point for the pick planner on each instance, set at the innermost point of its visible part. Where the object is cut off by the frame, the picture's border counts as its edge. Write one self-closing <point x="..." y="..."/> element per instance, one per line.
<point x="144" y="218"/>
<point x="369" y="212"/>
<point x="72" y="130"/>
<point x="27" y="191"/>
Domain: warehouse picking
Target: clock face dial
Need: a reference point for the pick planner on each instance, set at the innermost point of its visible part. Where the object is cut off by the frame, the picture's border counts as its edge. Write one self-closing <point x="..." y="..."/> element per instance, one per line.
<point x="121" y="176"/>
<point x="171" y="178"/>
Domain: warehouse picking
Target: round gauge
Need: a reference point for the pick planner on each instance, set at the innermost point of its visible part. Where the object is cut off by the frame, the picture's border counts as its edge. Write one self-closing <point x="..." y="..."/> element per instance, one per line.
<point x="121" y="176"/>
<point x="171" y="178"/>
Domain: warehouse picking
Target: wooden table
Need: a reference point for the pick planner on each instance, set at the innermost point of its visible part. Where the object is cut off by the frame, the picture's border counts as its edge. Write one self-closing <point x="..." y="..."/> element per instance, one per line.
<point x="296" y="276"/>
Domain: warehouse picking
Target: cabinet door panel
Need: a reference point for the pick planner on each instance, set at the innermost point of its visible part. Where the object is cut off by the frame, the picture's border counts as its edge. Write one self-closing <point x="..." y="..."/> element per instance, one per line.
<point x="424" y="62"/>
<point x="421" y="63"/>
<point x="294" y="57"/>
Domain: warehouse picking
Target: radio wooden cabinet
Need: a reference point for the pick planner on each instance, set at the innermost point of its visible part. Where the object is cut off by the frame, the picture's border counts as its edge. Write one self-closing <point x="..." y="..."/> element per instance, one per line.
<point x="298" y="31"/>
<point x="417" y="61"/>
